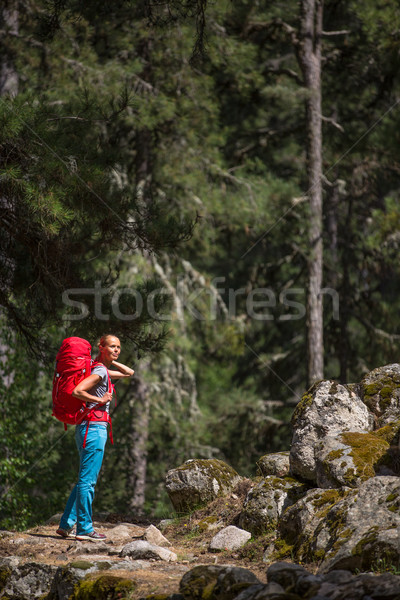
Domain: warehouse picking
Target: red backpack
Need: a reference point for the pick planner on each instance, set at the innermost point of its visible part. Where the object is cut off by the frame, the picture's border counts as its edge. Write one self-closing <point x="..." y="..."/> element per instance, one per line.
<point x="73" y="364"/>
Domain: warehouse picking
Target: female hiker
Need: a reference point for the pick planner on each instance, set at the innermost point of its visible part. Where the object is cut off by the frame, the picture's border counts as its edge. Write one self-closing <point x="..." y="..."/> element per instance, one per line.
<point x="91" y="437"/>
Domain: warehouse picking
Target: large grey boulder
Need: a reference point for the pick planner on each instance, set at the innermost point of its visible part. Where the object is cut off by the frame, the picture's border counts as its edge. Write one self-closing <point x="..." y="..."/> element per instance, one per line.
<point x="380" y="391"/>
<point x="276" y="463"/>
<point x="328" y="408"/>
<point x="267" y="500"/>
<point x="199" y="481"/>
<point x="347" y="528"/>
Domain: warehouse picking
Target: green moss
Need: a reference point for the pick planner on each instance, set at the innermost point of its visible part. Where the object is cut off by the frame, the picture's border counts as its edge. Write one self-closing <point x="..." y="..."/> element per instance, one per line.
<point x="208" y="591"/>
<point x="282" y="550"/>
<point x="335" y="454"/>
<point x="386" y="392"/>
<point x="319" y="555"/>
<point x="393" y="508"/>
<point x="343" y="536"/>
<point x="372" y="388"/>
<point x="301" y="407"/>
<point x="380" y="393"/>
<point x="200" y="585"/>
<point x="205" y="523"/>
<point x="103" y="565"/>
<point x="367" y="452"/>
<point x="254" y="549"/>
<point x="392" y="497"/>
<point x="157" y="597"/>
<point x="81" y="564"/>
<point x="331" y="517"/>
<point x="107" y="587"/>
<point x="4" y="577"/>
<point x="327" y="499"/>
<point x="389" y="432"/>
<point x="370" y="537"/>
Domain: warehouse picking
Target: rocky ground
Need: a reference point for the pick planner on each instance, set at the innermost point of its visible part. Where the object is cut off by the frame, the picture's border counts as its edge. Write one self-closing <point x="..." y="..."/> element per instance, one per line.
<point x="187" y="537"/>
<point x="40" y="560"/>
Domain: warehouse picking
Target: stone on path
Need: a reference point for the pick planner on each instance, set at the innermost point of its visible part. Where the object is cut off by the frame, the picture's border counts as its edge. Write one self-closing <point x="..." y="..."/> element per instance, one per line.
<point x="141" y="549"/>
<point x="229" y="538"/>
<point x="154" y="536"/>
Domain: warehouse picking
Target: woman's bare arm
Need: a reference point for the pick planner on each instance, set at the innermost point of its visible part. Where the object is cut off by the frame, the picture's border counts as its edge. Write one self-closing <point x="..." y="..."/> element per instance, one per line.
<point x="81" y="390"/>
<point x="121" y="372"/>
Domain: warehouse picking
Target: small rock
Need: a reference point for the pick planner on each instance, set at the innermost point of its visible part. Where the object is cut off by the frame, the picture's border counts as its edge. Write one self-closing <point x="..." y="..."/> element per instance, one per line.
<point x="90" y="548"/>
<point x="54" y="520"/>
<point x="144" y="550"/>
<point x="165" y="522"/>
<point x="276" y="464"/>
<point x="122" y="533"/>
<point x="229" y="538"/>
<point x="131" y="565"/>
<point x="4" y="533"/>
<point x="154" y="536"/>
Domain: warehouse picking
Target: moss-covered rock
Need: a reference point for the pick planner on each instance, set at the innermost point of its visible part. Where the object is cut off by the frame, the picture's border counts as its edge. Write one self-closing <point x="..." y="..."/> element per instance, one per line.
<point x="199" y="481"/>
<point x="210" y="522"/>
<point x="5" y="574"/>
<point x="276" y="463"/>
<point x="106" y="587"/>
<point x="345" y="528"/>
<point x="309" y="526"/>
<point x="212" y="582"/>
<point x="24" y="580"/>
<point x="267" y="500"/>
<point x="350" y="458"/>
<point x="328" y="408"/>
<point x="380" y="391"/>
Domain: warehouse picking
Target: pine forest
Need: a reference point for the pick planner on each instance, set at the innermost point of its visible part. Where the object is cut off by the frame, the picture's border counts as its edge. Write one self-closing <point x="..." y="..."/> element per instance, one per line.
<point x="215" y="183"/>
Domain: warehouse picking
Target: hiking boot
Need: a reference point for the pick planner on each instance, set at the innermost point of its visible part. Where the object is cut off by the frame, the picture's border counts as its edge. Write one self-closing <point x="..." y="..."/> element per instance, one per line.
<point x="64" y="532"/>
<point x="93" y="536"/>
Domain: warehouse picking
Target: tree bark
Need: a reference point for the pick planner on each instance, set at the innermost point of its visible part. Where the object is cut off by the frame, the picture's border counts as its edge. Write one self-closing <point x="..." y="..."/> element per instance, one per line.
<point x="139" y="413"/>
<point x="8" y="74"/>
<point x="310" y="62"/>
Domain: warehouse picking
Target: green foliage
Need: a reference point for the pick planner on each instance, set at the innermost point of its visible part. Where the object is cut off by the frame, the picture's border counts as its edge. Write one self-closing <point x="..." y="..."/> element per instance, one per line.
<point x="34" y="474"/>
<point x="111" y="148"/>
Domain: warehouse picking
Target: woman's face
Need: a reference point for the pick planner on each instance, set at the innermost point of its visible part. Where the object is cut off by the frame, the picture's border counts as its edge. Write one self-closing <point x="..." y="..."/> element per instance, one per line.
<point x="110" y="349"/>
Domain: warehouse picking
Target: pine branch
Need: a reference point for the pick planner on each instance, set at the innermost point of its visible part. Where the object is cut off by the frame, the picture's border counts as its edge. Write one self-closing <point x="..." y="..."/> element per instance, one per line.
<point x="333" y="122"/>
<point x="331" y="33"/>
<point x="274" y="24"/>
<point x="289" y="72"/>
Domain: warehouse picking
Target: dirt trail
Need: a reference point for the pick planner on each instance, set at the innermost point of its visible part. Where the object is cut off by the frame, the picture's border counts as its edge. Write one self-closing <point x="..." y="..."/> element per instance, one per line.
<point x="42" y="545"/>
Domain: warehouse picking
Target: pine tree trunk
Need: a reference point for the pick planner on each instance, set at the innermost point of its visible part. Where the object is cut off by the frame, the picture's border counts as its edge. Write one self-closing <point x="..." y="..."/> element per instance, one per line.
<point x="139" y="411"/>
<point x="310" y="61"/>
<point x="8" y="23"/>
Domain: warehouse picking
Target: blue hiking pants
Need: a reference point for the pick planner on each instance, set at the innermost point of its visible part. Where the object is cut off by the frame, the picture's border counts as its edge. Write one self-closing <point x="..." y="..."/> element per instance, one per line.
<point x="79" y="505"/>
